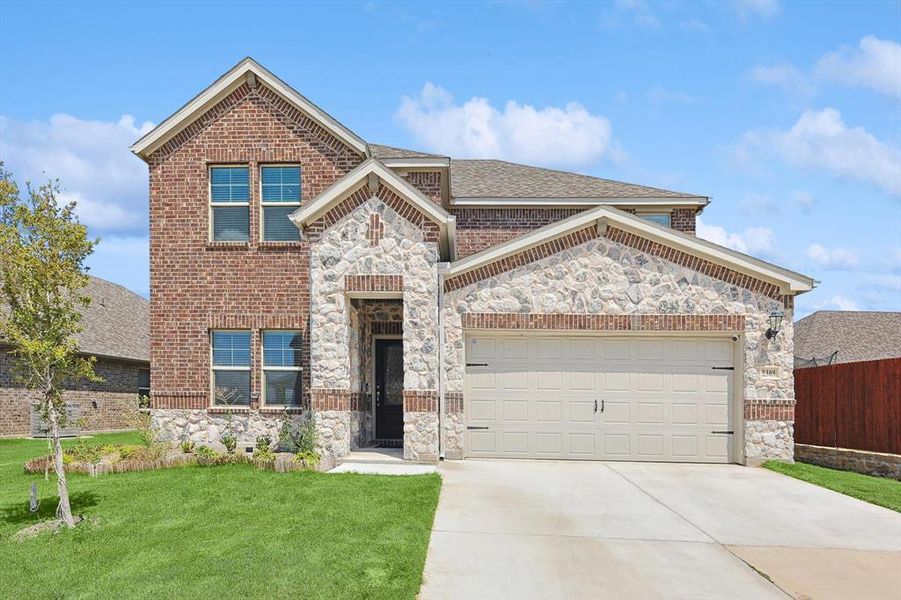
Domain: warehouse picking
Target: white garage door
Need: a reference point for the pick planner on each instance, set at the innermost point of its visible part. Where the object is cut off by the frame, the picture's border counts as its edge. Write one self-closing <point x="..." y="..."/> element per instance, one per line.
<point x="571" y="397"/>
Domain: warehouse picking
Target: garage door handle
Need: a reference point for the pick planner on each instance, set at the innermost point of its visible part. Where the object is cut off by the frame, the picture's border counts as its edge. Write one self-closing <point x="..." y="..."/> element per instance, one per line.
<point x="476" y="427"/>
<point x="723" y="432"/>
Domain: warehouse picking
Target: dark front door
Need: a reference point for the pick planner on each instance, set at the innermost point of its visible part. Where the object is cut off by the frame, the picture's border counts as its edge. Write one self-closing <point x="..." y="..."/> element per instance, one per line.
<point x="389" y="389"/>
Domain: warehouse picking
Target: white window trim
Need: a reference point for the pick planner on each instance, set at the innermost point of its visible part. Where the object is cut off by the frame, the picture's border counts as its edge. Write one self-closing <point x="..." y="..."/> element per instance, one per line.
<point x="214" y="367"/>
<point x="263" y="205"/>
<point x="264" y="368"/>
<point x="212" y="205"/>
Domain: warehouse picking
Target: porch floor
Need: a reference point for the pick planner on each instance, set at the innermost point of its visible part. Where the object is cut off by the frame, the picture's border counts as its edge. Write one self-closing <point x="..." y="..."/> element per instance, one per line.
<point x="374" y="455"/>
<point x="380" y="461"/>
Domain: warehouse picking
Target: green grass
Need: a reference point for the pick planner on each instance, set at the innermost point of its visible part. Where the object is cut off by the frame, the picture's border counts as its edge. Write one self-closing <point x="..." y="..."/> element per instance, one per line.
<point x="216" y="532"/>
<point x="875" y="490"/>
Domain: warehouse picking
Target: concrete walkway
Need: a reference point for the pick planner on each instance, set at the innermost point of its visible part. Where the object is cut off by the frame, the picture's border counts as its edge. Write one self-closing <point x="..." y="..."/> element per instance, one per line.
<point x="535" y="529"/>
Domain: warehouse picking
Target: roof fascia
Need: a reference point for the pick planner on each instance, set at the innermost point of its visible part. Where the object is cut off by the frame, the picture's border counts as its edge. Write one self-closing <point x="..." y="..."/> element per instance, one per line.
<point x="225" y="85"/>
<point x="557" y="201"/>
<point x="788" y="281"/>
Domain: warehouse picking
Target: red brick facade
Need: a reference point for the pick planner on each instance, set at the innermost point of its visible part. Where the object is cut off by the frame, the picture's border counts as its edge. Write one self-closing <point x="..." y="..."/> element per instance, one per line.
<point x="197" y="285"/>
<point x="427" y="182"/>
<point x="105" y="405"/>
<point x="481" y="228"/>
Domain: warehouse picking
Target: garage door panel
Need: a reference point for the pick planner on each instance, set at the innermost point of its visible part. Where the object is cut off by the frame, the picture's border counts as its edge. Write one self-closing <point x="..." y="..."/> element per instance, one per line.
<point x="685" y="414"/>
<point x="657" y="398"/>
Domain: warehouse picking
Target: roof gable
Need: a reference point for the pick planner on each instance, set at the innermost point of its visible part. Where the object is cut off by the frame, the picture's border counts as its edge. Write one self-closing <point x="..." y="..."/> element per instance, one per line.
<point x="361" y="177"/>
<point x="246" y="71"/>
<point x="653" y="238"/>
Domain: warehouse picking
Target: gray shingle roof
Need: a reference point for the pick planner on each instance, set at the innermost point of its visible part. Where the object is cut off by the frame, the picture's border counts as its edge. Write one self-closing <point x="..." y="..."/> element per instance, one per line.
<point x="380" y="152"/>
<point x="500" y="179"/>
<point x="854" y="335"/>
<point x="116" y="323"/>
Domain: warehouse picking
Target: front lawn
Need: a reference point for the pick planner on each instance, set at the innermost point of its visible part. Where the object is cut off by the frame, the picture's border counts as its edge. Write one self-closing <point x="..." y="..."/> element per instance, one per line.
<point x="216" y="532"/>
<point x="875" y="490"/>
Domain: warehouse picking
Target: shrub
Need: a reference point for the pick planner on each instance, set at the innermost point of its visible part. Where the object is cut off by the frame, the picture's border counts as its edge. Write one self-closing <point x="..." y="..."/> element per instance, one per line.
<point x="264" y="454"/>
<point x="142" y="424"/>
<point x="308" y="459"/>
<point x="205" y="452"/>
<point x="187" y="446"/>
<point x="229" y="441"/>
<point x="84" y="452"/>
<point x="128" y="452"/>
<point x="264" y="442"/>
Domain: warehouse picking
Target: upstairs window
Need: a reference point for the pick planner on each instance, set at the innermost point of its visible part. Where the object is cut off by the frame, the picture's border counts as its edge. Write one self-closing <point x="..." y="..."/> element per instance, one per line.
<point x="280" y="197"/>
<point x="231" y="368"/>
<point x="230" y="203"/>
<point x="282" y="382"/>
<point x="659" y="218"/>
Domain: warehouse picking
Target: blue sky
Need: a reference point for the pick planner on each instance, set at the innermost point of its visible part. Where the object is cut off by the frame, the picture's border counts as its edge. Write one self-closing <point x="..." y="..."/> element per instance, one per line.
<point x="788" y="114"/>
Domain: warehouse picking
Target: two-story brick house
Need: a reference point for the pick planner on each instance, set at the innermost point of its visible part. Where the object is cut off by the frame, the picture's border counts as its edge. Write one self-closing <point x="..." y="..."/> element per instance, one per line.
<point x="457" y="307"/>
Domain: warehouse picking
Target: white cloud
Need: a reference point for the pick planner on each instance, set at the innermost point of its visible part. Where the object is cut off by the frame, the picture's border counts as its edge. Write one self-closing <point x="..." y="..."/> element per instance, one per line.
<point x="832" y="258"/>
<point x="695" y="26"/>
<point x="804" y="200"/>
<point x="660" y="95"/>
<point x="821" y="140"/>
<point x="640" y="12"/>
<point x="837" y="302"/>
<point x="784" y="76"/>
<point x="753" y="240"/>
<point x="568" y="136"/>
<point x="890" y="283"/>
<point x="92" y="161"/>
<point x="874" y="64"/>
<point x="756" y="8"/>
<point x="757" y="204"/>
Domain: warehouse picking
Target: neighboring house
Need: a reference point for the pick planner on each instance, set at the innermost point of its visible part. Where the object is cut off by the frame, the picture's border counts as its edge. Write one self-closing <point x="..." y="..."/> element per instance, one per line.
<point x="830" y="336"/>
<point x="461" y="308"/>
<point x="117" y="332"/>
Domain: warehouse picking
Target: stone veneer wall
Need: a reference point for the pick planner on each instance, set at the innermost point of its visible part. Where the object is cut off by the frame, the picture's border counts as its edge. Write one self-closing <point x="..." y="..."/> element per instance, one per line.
<point x="105" y="405"/>
<point x="206" y="427"/>
<point x="342" y="250"/>
<point x="860" y="461"/>
<point x="603" y="277"/>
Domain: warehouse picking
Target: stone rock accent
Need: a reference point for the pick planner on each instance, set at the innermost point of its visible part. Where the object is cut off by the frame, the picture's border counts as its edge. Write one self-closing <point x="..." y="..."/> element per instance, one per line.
<point x="454" y="436"/>
<point x="601" y="276"/>
<point x="421" y="437"/>
<point x="343" y="250"/>
<point x="768" y="440"/>
<point x="203" y="427"/>
<point x="334" y="427"/>
<point x="860" y="461"/>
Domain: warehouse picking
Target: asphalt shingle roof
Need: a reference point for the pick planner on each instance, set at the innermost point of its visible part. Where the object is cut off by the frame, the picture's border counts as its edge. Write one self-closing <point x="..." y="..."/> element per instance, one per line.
<point x="380" y="151"/>
<point x="116" y="323"/>
<point x="501" y="179"/>
<point x="855" y="335"/>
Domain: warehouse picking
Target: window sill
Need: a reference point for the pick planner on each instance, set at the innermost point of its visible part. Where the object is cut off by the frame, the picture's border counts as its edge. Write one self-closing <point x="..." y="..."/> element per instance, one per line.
<point x="273" y="245"/>
<point x="222" y="410"/>
<point x="228" y="245"/>
<point x="274" y="410"/>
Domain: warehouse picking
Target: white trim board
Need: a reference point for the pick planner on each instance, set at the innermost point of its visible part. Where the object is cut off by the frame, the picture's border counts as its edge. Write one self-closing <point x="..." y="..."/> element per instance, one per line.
<point x="226" y="84"/>
<point x="564" y="202"/>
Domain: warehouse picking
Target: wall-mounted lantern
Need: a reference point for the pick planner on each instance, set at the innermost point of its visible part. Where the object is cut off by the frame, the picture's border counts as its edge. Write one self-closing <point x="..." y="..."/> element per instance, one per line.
<point x="775" y="324"/>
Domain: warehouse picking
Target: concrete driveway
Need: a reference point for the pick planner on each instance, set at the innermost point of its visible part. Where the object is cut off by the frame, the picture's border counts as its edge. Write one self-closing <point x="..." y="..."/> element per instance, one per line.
<point x="536" y="529"/>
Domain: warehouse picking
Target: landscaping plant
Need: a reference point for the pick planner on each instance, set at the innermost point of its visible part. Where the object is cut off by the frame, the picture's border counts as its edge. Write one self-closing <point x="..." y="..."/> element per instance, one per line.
<point x="43" y="249"/>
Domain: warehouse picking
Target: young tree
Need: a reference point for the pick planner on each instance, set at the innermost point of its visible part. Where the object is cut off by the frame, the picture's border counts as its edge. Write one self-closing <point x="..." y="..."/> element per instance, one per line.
<point x="43" y="248"/>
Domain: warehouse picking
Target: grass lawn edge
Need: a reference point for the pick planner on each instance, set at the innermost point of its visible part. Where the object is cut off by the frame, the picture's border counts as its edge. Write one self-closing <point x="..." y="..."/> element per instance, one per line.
<point x="881" y="491"/>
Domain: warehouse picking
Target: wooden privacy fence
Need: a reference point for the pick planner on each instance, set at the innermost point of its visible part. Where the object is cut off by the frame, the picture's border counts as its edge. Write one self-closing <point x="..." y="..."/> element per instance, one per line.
<point x="850" y="405"/>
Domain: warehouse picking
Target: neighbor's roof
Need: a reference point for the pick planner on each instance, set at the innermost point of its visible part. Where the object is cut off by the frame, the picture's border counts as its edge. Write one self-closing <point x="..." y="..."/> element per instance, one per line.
<point x="501" y="179"/>
<point x="855" y="335"/>
<point x="116" y="323"/>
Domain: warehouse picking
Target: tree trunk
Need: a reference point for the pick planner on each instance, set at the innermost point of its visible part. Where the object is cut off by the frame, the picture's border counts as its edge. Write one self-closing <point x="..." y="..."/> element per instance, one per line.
<point x="64" y="512"/>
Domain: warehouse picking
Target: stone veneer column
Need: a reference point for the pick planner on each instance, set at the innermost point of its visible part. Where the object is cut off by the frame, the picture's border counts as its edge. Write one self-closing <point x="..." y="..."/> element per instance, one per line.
<point x="421" y="425"/>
